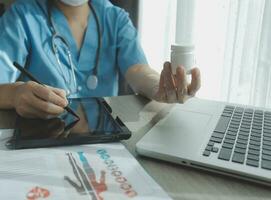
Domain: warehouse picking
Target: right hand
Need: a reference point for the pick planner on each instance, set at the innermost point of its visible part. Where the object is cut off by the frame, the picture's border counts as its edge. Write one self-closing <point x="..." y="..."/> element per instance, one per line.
<point x="32" y="100"/>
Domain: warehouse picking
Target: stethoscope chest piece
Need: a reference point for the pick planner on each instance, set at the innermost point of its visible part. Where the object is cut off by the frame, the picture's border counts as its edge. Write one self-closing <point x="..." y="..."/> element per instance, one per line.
<point x="92" y="82"/>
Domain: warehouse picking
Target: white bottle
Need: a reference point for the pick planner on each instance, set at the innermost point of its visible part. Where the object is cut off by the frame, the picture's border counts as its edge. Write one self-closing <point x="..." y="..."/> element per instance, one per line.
<point x="183" y="55"/>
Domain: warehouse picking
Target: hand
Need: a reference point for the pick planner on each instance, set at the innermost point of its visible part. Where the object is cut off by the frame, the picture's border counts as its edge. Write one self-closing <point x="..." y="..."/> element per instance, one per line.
<point x="32" y="100"/>
<point x="174" y="88"/>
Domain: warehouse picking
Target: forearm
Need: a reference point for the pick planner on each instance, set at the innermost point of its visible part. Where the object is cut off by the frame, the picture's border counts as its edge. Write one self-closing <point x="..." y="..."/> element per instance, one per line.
<point x="143" y="80"/>
<point x="7" y="95"/>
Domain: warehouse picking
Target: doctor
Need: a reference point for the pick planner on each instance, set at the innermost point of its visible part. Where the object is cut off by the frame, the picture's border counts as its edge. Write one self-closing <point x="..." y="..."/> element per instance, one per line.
<point x="78" y="48"/>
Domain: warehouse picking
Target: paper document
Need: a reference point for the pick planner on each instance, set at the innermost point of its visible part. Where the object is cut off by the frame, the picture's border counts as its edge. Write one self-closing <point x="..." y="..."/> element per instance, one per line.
<point x="87" y="172"/>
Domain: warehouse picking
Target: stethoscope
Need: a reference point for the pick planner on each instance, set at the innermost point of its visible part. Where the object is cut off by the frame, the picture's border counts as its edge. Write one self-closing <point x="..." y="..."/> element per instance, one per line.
<point x="92" y="80"/>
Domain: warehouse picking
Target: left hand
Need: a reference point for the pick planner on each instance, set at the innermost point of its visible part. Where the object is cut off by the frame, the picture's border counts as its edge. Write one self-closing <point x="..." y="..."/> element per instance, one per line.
<point x="175" y="88"/>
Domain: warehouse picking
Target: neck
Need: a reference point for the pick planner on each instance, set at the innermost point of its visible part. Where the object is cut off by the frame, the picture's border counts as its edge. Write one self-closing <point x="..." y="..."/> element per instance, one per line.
<point x="72" y="12"/>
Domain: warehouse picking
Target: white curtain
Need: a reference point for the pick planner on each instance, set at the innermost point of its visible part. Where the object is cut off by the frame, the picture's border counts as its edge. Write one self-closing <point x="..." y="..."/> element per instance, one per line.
<point x="157" y="25"/>
<point x="247" y="58"/>
<point x="232" y="40"/>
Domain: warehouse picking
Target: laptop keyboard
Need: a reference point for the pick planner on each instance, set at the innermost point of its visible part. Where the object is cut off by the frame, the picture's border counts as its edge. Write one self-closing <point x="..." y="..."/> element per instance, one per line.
<point x="243" y="136"/>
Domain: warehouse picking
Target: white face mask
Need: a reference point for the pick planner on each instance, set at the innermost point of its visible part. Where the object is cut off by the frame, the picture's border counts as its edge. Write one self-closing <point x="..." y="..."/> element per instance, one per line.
<point x="74" y="2"/>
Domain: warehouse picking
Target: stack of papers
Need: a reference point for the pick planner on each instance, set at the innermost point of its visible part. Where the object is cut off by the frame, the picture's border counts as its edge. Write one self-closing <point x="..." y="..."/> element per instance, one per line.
<point x="87" y="172"/>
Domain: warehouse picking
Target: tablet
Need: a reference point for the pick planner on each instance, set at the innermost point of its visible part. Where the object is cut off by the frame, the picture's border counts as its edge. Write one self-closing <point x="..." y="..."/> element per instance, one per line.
<point x="97" y="124"/>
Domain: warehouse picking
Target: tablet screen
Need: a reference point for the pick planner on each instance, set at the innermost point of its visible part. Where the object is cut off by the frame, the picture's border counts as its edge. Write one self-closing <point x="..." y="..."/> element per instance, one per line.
<point x="96" y="125"/>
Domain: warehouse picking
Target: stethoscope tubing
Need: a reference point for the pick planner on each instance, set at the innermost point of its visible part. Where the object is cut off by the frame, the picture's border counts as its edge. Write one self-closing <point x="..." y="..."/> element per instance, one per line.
<point x="56" y="53"/>
<point x="56" y="35"/>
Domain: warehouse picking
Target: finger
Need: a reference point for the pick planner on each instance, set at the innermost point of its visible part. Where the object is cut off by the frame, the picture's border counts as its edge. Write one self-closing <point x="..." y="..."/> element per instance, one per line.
<point x="49" y="95"/>
<point x="60" y="92"/>
<point x="161" y="96"/>
<point x="181" y="83"/>
<point x="195" y="82"/>
<point x="170" y="84"/>
<point x="169" y="81"/>
<point x="31" y="113"/>
<point x="181" y="78"/>
<point x="162" y="82"/>
<point x="48" y="108"/>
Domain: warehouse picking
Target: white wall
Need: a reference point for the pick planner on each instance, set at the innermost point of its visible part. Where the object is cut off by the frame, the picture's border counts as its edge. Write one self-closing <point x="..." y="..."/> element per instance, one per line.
<point x="157" y="29"/>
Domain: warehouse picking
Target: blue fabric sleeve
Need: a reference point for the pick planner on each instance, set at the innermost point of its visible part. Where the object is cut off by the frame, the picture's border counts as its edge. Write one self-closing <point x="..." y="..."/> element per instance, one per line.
<point x="13" y="45"/>
<point x="129" y="50"/>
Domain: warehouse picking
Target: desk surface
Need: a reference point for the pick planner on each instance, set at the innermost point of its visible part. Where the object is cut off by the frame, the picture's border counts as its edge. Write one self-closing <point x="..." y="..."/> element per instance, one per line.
<point x="179" y="182"/>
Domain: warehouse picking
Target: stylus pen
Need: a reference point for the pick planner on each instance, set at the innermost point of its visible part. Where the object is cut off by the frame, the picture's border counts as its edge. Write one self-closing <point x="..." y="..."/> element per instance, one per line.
<point x="32" y="78"/>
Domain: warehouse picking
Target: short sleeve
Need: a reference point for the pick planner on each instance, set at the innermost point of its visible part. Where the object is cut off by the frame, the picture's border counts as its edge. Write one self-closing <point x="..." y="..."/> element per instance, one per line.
<point x="13" y="45"/>
<point x="129" y="50"/>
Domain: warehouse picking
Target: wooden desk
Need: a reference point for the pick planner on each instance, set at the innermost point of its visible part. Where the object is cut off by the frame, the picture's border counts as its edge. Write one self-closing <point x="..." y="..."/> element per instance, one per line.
<point x="179" y="182"/>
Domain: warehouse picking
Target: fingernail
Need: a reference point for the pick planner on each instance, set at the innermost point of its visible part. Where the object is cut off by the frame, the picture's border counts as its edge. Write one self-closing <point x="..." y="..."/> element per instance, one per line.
<point x="63" y="93"/>
<point x="166" y="65"/>
<point x="181" y="69"/>
<point x="66" y="102"/>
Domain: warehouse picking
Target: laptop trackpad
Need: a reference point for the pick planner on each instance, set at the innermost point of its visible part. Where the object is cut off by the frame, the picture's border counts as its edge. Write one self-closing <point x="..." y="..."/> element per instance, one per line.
<point x="178" y="133"/>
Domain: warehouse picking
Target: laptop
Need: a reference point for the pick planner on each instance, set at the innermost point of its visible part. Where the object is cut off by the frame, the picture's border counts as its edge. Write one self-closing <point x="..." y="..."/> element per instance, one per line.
<point x="225" y="138"/>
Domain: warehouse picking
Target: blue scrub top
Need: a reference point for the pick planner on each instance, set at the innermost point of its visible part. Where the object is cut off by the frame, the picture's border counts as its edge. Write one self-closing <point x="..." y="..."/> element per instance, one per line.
<point x="26" y="37"/>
